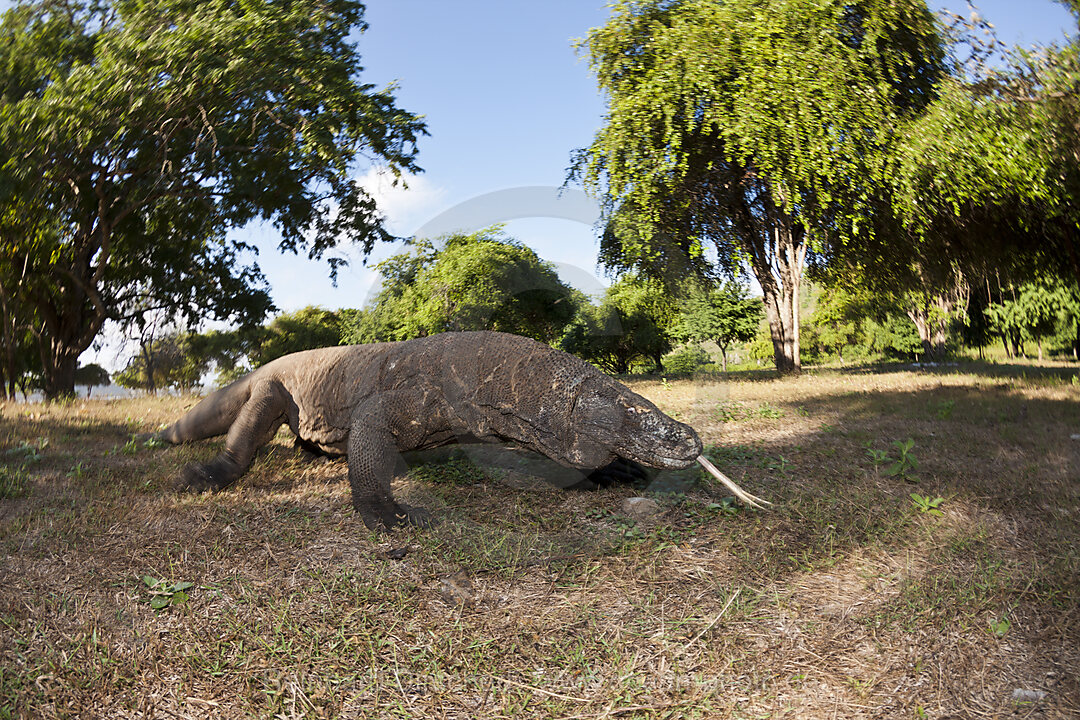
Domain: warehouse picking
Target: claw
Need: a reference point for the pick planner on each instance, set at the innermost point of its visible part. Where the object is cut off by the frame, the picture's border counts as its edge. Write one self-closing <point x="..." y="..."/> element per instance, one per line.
<point x="747" y="498"/>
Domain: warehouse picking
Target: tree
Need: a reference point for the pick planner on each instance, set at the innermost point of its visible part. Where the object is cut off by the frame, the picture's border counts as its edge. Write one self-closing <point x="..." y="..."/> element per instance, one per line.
<point x="759" y="127"/>
<point x="91" y="376"/>
<point x="989" y="175"/>
<point x="835" y="323"/>
<point x="481" y="281"/>
<point x="630" y="323"/>
<point x="1033" y="313"/>
<point x="723" y="314"/>
<point x="306" y="329"/>
<point x="145" y="130"/>
<point x="17" y="326"/>
<point x="166" y="362"/>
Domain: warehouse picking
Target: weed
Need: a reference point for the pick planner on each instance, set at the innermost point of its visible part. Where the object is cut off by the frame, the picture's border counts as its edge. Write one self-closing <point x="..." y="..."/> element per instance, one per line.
<point x="27" y="451"/>
<point x="726" y="506"/>
<point x="728" y="412"/>
<point x="905" y="461"/>
<point x="878" y="457"/>
<point x="926" y="504"/>
<point x="944" y="409"/>
<point x="163" y="593"/>
<point x="736" y="411"/>
<point x="765" y="410"/>
<point x="999" y="627"/>
<point x="13" y="481"/>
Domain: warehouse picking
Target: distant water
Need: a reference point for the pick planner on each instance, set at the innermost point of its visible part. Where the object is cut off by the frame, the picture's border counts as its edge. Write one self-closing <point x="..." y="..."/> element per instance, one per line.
<point x="108" y="392"/>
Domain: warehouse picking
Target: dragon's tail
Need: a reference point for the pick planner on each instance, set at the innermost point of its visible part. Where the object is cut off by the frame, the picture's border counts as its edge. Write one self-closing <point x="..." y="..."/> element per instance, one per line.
<point x="212" y="416"/>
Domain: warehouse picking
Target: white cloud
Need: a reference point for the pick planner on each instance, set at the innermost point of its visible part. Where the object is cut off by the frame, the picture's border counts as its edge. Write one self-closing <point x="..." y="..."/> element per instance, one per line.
<point x="406" y="203"/>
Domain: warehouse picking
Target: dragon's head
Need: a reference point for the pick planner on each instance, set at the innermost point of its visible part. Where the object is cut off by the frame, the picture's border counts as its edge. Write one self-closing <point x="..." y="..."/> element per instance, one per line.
<point x="609" y="420"/>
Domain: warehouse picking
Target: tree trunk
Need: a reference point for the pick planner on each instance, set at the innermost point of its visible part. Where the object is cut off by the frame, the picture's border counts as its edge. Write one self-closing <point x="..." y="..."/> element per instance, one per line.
<point x="930" y="313"/>
<point x="777" y="260"/>
<point x="148" y="365"/>
<point x="60" y="371"/>
<point x="1017" y="346"/>
<point x="10" y="370"/>
<point x="723" y="356"/>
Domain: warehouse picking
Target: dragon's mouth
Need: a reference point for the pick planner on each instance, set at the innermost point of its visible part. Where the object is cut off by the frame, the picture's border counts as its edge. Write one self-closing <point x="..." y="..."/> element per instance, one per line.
<point x="666" y="458"/>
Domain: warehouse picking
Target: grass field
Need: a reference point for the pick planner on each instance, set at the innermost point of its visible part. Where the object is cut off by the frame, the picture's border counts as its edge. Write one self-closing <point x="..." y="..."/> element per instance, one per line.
<point x="850" y="598"/>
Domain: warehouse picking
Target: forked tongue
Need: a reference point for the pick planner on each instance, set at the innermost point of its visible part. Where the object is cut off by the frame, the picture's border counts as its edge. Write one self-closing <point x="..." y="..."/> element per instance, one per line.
<point x="746" y="497"/>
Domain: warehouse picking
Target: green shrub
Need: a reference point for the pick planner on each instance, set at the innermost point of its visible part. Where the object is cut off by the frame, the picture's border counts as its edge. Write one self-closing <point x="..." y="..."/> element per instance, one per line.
<point x="685" y="360"/>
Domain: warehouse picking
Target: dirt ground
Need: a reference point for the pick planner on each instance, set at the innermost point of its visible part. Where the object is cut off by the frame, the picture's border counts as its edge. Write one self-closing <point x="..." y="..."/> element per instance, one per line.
<point x="921" y="560"/>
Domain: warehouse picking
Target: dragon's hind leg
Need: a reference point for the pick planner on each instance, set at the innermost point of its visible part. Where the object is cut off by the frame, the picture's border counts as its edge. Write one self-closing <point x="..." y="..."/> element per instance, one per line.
<point x="258" y="418"/>
<point x="212" y="416"/>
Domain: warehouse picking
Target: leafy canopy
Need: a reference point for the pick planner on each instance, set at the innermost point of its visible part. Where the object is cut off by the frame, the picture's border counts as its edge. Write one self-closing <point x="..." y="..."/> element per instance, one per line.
<point x="480" y="281"/>
<point x="802" y="96"/>
<point x="137" y="132"/>
<point x="630" y="324"/>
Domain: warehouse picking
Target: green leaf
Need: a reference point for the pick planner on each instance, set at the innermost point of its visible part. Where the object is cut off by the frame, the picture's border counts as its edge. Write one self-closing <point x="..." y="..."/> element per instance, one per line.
<point x="159" y="602"/>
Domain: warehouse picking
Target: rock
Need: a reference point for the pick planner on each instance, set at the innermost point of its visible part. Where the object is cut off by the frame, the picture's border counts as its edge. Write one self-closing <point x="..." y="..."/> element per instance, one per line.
<point x="457" y="589"/>
<point x="641" y="508"/>
<point x="1022" y="695"/>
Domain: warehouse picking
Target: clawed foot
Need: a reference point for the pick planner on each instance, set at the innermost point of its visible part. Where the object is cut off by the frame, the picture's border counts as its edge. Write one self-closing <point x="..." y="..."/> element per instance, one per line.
<point x="383" y="515"/>
<point x="200" y="478"/>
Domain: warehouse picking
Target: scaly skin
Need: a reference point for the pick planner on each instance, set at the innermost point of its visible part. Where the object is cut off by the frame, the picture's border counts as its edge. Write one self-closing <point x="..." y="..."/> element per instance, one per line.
<point x="373" y="402"/>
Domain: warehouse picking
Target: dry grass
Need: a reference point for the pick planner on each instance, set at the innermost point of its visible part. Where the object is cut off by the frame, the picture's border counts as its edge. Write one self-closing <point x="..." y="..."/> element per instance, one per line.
<point x="844" y="601"/>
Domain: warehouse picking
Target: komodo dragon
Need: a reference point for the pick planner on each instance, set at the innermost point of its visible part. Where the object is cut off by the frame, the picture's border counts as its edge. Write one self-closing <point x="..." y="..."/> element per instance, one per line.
<point x="373" y="402"/>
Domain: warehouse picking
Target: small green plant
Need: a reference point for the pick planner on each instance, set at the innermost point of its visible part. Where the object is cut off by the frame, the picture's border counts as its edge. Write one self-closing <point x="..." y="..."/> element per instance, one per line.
<point x="879" y="457"/>
<point x="13" y="482"/>
<point x="28" y="451"/>
<point x="998" y="628"/>
<point x="726" y="506"/>
<point x="780" y="464"/>
<point x="729" y="412"/>
<point x="905" y="463"/>
<point x="765" y="410"/>
<point x="665" y="384"/>
<point x="77" y="471"/>
<point x="926" y="504"/>
<point x="944" y="409"/>
<point x="163" y="593"/>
